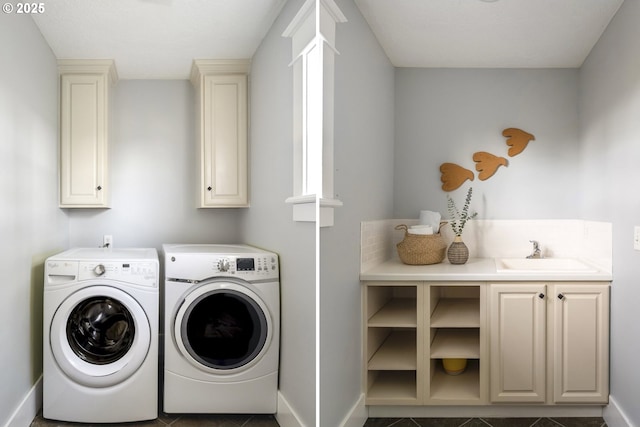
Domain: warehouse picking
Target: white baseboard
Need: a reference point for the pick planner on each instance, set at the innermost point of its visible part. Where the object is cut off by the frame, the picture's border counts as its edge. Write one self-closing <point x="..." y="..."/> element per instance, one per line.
<point x="357" y="416"/>
<point x="28" y="408"/>
<point x="497" y="411"/>
<point x="614" y="416"/>
<point x="286" y="416"/>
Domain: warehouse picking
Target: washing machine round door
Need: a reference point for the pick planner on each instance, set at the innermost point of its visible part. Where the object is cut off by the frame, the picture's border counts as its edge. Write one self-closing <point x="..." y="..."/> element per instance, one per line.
<point x="100" y="336"/>
<point x="223" y="327"/>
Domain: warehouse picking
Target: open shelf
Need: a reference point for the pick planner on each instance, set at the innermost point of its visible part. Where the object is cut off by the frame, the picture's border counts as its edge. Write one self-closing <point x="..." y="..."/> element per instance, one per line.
<point x="454" y="333"/>
<point x="409" y="329"/>
<point x="397" y="352"/>
<point x="398" y="312"/>
<point x="456" y="313"/>
<point x="456" y="343"/>
<point x="463" y="387"/>
<point x="392" y="385"/>
<point x="391" y="366"/>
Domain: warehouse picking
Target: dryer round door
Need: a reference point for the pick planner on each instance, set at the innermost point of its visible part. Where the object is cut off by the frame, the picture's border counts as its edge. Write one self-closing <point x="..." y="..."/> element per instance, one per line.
<point x="100" y="336"/>
<point x="223" y="328"/>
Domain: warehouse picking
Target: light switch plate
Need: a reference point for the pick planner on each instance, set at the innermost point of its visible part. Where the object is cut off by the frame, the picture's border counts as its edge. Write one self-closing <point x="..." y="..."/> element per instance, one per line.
<point x="636" y="238"/>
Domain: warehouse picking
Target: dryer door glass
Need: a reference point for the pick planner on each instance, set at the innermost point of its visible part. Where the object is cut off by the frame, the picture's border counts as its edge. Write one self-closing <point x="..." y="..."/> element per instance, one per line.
<point x="100" y="330"/>
<point x="224" y="329"/>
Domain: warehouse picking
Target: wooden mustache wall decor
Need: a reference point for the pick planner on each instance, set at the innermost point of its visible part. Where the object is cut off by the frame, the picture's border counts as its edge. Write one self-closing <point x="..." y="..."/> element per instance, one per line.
<point x="487" y="164"/>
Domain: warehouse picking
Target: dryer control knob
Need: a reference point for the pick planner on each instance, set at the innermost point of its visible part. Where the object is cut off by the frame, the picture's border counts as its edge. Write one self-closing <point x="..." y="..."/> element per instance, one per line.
<point x="223" y="264"/>
<point x="99" y="270"/>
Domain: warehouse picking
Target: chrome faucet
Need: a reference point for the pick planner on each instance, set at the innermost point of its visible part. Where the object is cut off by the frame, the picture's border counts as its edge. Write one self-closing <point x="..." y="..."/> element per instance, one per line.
<point x="536" y="250"/>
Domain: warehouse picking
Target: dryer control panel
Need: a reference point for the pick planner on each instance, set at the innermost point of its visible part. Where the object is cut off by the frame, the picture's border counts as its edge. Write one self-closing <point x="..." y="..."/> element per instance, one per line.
<point x="248" y="267"/>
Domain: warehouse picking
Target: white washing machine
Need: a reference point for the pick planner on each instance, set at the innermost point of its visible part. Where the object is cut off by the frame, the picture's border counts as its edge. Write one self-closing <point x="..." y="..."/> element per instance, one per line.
<point x="222" y="328"/>
<point x="100" y="349"/>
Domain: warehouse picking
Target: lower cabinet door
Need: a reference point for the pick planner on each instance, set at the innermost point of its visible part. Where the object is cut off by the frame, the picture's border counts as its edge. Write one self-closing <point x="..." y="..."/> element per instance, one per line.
<point x="581" y="343"/>
<point x="518" y="335"/>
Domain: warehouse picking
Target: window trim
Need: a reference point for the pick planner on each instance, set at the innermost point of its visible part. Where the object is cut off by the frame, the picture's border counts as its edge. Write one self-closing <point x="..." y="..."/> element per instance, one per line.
<point x="312" y="32"/>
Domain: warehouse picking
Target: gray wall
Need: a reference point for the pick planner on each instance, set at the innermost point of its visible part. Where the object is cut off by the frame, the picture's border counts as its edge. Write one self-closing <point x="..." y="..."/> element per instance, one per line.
<point x="31" y="225"/>
<point x="153" y="173"/>
<point x="268" y="223"/>
<point x="364" y="183"/>
<point x="609" y="126"/>
<point x="446" y="115"/>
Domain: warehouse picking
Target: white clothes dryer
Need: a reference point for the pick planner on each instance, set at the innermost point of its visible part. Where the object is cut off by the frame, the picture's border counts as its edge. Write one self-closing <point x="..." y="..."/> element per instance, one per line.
<point x="100" y="346"/>
<point x="222" y="328"/>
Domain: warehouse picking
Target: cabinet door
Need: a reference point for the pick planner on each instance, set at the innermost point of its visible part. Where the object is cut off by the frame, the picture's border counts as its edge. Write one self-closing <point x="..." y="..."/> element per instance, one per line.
<point x="224" y="141"/>
<point x="83" y="140"/>
<point x="581" y="343"/>
<point x="518" y="323"/>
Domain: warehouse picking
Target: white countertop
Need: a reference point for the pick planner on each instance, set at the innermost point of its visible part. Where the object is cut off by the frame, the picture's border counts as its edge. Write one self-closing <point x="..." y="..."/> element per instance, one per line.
<point x="476" y="269"/>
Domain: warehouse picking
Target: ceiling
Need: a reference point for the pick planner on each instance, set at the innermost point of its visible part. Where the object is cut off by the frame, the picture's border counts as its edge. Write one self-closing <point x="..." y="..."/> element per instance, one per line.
<point x="158" y="39"/>
<point x="488" y="33"/>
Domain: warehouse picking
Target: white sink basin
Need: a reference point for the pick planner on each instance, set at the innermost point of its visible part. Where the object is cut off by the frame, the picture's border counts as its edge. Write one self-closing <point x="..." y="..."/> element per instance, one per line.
<point x="542" y="265"/>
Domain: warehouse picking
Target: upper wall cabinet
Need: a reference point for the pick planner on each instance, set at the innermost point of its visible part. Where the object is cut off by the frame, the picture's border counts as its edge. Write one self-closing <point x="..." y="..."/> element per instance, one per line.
<point x="84" y="123"/>
<point x="221" y="88"/>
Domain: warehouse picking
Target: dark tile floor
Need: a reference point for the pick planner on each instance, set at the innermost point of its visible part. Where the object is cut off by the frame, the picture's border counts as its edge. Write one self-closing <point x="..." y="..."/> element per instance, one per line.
<point x="165" y="420"/>
<point x="485" y="422"/>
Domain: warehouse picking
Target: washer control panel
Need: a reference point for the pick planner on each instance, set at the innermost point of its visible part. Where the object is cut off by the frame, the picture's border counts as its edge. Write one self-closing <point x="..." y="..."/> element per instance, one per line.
<point x="138" y="272"/>
<point x="62" y="272"/>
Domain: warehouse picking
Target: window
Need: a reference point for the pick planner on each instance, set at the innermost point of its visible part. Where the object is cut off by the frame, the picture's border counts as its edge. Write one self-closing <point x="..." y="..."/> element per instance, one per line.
<point x="313" y="50"/>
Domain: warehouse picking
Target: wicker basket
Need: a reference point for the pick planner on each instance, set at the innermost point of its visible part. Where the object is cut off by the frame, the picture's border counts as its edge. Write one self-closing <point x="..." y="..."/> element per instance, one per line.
<point x="418" y="249"/>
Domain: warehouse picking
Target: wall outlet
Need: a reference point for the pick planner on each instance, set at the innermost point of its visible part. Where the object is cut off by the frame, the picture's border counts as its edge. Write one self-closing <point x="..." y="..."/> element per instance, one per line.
<point x="636" y="238"/>
<point x="107" y="241"/>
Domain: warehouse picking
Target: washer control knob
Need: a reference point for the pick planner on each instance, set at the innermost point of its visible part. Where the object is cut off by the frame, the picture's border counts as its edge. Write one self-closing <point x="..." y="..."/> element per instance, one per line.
<point x="99" y="270"/>
<point x="223" y="265"/>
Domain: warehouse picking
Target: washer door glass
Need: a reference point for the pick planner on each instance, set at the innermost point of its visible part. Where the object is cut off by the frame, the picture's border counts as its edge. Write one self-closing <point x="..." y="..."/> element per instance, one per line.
<point x="100" y="330"/>
<point x="224" y="329"/>
<point x="100" y="336"/>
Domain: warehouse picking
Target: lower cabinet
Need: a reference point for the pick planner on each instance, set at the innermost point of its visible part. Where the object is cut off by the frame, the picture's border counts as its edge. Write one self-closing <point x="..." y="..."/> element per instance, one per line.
<point x="393" y="343"/>
<point x="549" y="342"/>
<point x="455" y="315"/>
<point x="410" y="328"/>
<point x="545" y="343"/>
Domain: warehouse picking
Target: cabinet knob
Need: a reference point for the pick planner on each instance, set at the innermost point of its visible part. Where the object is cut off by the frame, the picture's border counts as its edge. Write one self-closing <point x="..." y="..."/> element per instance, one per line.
<point x="209" y="188"/>
<point x="99" y="187"/>
<point x="560" y="296"/>
<point x="541" y="295"/>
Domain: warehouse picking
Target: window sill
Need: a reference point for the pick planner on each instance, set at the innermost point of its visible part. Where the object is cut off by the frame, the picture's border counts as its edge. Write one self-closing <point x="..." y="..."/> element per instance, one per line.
<point x="309" y="208"/>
